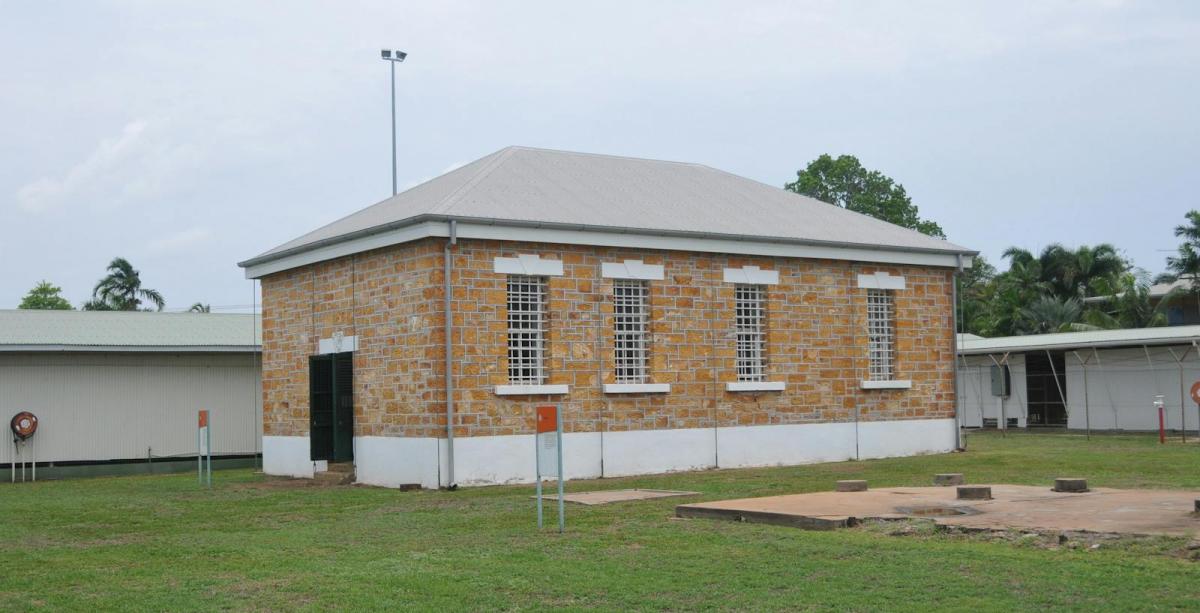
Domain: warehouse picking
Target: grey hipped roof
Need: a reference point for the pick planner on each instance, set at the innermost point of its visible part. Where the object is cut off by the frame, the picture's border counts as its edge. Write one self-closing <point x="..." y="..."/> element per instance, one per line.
<point x="546" y="188"/>
<point x="31" y="330"/>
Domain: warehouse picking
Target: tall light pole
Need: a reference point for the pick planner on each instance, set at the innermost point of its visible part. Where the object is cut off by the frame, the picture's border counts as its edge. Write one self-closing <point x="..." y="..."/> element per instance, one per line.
<point x="393" y="57"/>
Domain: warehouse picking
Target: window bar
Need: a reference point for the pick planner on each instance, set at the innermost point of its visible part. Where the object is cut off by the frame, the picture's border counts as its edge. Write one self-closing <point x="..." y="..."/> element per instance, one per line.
<point x="750" y="307"/>
<point x="630" y="318"/>
<point x="526" y="330"/>
<point x="881" y="334"/>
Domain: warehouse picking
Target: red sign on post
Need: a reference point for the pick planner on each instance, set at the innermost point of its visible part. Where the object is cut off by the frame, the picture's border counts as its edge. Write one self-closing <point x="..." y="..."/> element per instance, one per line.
<point x="203" y="419"/>
<point x="547" y="419"/>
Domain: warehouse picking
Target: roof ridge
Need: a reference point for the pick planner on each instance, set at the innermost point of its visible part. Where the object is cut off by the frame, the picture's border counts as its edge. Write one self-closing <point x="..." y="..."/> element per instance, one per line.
<point x="607" y="155"/>
<point x="453" y="197"/>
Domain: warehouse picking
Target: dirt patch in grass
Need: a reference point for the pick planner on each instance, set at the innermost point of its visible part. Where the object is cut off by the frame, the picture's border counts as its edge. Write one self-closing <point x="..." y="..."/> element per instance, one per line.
<point x="277" y="483"/>
<point x="1170" y="546"/>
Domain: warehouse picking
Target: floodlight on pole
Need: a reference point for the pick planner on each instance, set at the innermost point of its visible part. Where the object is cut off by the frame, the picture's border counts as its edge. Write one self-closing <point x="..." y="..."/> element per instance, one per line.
<point x="392" y="57"/>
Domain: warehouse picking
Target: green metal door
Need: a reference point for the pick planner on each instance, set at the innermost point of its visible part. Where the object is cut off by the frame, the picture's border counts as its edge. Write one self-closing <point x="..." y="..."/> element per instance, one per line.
<point x="343" y="407"/>
<point x="331" y="407"/>
<point x="320" y="406"/>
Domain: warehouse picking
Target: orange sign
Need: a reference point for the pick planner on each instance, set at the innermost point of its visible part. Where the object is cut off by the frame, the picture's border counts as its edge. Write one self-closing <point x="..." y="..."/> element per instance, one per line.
<point x="203" y="419"/>
<point x="1196" y="392"/>
<point x="547" y="419"/>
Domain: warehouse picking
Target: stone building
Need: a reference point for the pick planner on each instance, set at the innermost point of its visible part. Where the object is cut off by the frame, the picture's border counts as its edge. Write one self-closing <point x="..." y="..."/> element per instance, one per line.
<point x="682" y="317"/>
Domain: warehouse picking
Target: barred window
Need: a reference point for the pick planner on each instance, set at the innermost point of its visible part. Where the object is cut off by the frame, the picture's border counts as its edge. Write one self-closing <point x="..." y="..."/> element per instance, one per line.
<point x="526" y="330"/>
<point x="881" y="334"/>
<point x="631" y="310"/>
<point x="750" y="306"/>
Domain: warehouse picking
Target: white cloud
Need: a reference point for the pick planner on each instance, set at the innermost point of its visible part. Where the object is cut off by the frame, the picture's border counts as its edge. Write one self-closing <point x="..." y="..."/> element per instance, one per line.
<point x="142" y="162"/>
<point x="179" y="241"/>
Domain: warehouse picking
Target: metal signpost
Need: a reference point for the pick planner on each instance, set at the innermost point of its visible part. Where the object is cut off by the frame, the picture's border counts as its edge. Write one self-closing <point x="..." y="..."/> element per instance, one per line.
<point x="23" y="425"/>
<point x="548" y="443"/>
<point x="1196" y="399"/>
<point x="204" y="450"/>
<point x="1162" y="425"/>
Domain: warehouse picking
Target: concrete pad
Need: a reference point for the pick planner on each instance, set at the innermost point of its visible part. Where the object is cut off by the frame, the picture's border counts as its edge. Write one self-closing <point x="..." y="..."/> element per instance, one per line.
<point x="1018" y="507"/>
<point x="610" y="496"/>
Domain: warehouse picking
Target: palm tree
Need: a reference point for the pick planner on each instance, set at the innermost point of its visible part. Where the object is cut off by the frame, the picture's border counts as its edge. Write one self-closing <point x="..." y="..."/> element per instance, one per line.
<point x="1050" y="314"/>
<point x="121" y="290"/>
<point x="200" y="307"/>
<point x="1188" y="260"/>
<point x="1187" y="263"/>
<point x="1067" y="273"/>
<point x="1128" y="305"/>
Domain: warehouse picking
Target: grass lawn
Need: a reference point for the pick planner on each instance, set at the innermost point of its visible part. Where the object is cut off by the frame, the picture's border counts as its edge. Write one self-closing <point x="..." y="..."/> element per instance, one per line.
<point x="160" y="543"/>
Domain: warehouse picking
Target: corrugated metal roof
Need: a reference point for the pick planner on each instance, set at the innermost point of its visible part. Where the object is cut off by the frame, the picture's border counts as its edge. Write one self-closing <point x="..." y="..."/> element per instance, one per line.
<point x="532" y="186"/>
<point x="33" y="330"/>
<point x="1171" y="335"/>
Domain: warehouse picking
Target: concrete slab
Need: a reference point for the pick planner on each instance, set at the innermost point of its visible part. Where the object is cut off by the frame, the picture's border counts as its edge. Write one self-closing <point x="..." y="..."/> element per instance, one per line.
<point x="610" y="496"/>
<point x="1018" y="507"/>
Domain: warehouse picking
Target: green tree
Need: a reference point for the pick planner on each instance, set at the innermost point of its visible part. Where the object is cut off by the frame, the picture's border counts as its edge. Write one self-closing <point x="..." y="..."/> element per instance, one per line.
<point x="200" y="307"/>
<point x="1128" y="305"/>
<point x="1186" y="262"/>
<point x="45" y="296"/>
<point x="973" y="298"/>
<point x="121" y="290"/>
<point x="1008" y="296"/>
<point x="1067" y="273"/>
<point x="1051" y="314"/>
<point x="843" y="181"/>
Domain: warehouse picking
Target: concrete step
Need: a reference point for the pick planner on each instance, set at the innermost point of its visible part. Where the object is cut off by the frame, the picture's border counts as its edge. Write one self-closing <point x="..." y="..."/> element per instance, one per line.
<point x="340" y="467"/>
<point x="330" y="477"/>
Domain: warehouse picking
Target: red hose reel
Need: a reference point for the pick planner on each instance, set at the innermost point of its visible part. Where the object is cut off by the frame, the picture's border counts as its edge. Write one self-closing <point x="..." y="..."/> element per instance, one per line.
<point x="23" y="425"/>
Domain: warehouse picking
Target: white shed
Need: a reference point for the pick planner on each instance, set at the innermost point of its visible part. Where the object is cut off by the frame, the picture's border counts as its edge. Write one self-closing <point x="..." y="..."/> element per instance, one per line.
<point x="1101" y="380"/>
<point x="116" y="389"/>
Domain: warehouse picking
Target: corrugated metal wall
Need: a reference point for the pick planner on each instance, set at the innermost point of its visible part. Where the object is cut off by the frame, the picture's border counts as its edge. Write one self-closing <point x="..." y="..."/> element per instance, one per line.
<point x="112" y="406"/>
<point x="975" y="399"/>
<point x="1121" y="387"/>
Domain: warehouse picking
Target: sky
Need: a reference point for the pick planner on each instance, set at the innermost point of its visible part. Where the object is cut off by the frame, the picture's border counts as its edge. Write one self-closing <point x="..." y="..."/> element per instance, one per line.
<point x="188" y="136"/>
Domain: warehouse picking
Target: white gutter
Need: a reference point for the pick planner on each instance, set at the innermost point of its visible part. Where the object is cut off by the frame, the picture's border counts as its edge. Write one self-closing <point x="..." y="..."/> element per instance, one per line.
<point x="423" y="226"/>
<point x="130" y="348"/>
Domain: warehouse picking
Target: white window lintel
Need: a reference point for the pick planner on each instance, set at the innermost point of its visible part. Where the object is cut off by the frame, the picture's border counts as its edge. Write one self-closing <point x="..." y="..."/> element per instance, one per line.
<point x="526" y="264"/>
<point x="337" y="344"/>
<point x="752" y="275"/>
<point x="526" y="390"/>
<point x="755" y="386"/>
<point x="631" y="269"/>
<point x="880" y="280"/>
<point x="637" y="388"/>
<point x="896" y="384"/>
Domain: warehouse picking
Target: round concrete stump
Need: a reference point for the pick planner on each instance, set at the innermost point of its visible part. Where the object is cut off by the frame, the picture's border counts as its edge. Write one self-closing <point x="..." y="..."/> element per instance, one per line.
<point x="948" y="479"/>
<point x="1198" y="505"/>
<point x="851" y="485"/>
<point x="1070" y="485"/>
<point x="974" y="492"/>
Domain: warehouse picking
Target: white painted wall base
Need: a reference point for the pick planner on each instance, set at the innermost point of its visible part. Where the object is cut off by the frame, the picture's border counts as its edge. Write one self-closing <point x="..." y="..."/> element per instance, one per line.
<point x="393" y="461"/>
<point x="747" y="446"/>
<point x="490" y="460"/>
<point x="287" y="456"/>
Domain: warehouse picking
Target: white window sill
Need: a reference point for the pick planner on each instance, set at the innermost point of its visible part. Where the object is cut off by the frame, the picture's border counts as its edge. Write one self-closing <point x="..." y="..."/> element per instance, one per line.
<point x="637" y="388"/>
<point x="886" y="385"/>
<point x="526" y="390"/>
<point x="755" y="386"/>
